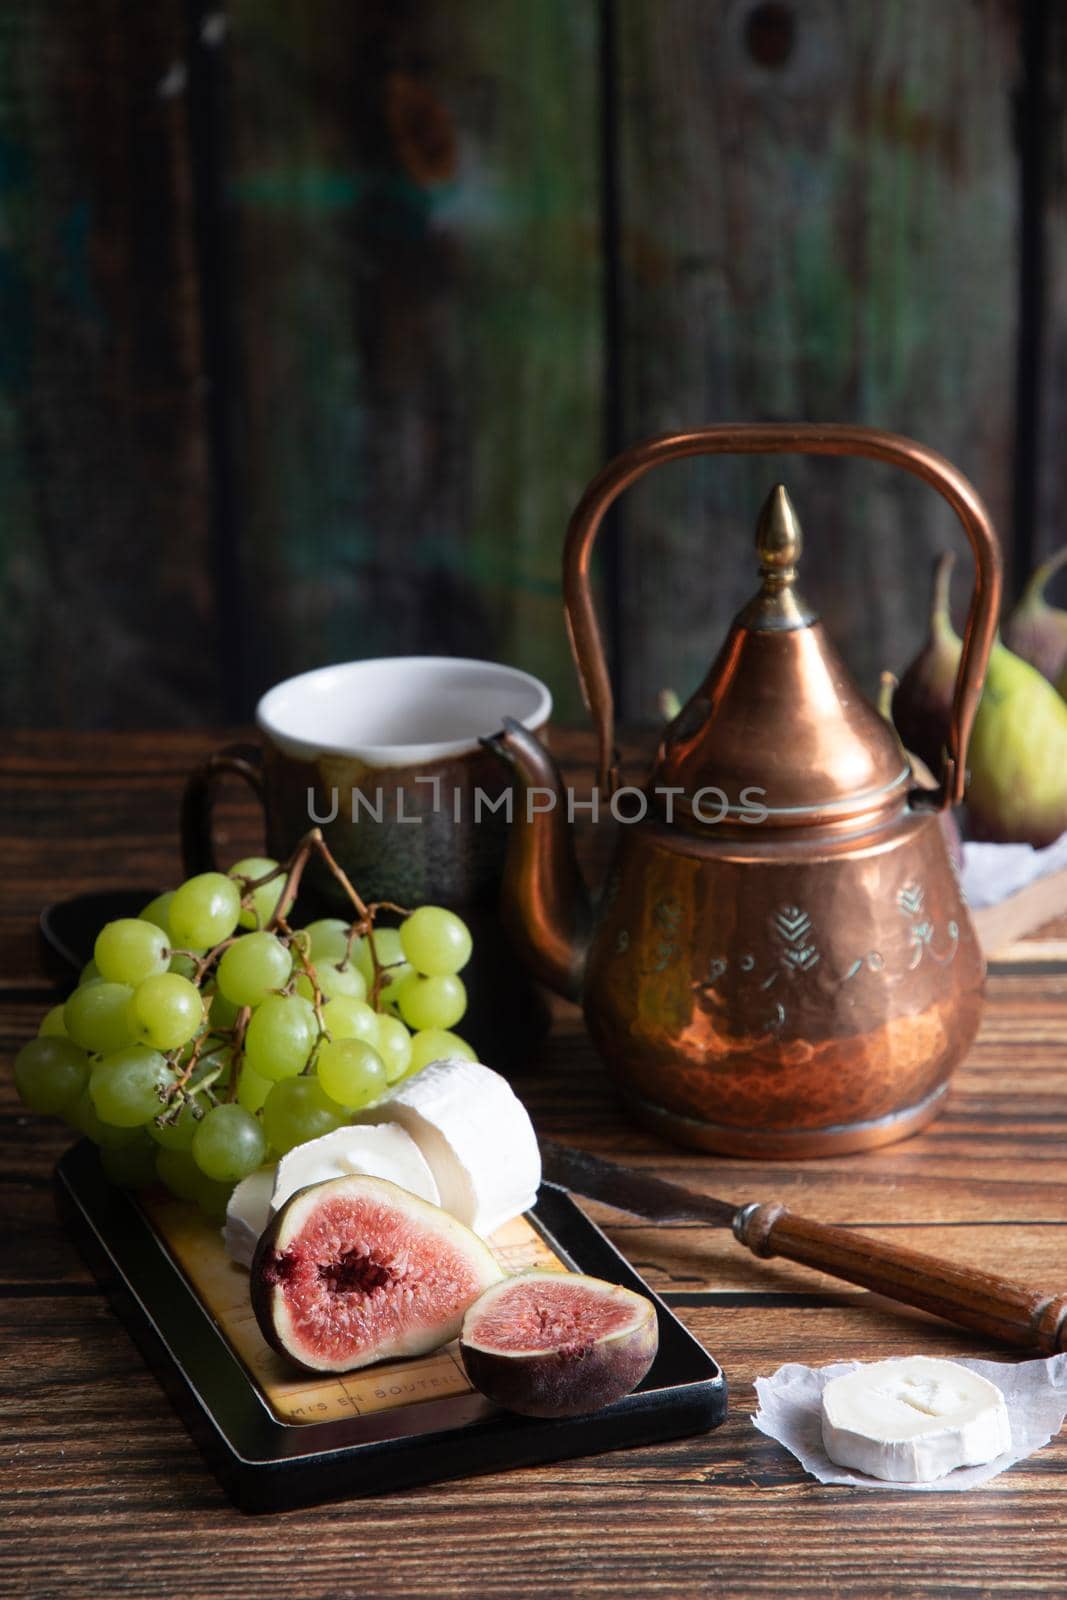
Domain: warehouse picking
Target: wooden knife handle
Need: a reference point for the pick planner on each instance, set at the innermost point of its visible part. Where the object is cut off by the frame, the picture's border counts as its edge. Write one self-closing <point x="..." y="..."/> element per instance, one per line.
<point x="994" y="1306"/>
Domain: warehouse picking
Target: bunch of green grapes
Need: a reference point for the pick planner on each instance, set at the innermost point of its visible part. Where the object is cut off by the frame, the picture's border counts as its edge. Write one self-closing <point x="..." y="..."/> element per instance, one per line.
<point x="207" y="1036"/>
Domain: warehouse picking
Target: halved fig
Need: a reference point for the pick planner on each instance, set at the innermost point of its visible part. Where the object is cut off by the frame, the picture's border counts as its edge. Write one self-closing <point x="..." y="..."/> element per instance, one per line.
<point x="355" y="1270"/>
<point x="555" y="1344"/>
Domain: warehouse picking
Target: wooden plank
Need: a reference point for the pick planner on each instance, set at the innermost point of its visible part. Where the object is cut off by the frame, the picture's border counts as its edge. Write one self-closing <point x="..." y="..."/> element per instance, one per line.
<point x="730" y="1513"/>
<point x="818" y="221"/>
<point x="419" y="318"/>
<point x="1050" y="354"/>
<point x="108" y="610"/>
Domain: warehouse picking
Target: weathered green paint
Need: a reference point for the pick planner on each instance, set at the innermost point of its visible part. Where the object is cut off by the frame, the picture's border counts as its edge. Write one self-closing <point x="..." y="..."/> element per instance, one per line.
<point x="830" y="239"/>
<point x="420" y="349"/>
<point x="105" y="567"/>
<point x="417" y="293"/>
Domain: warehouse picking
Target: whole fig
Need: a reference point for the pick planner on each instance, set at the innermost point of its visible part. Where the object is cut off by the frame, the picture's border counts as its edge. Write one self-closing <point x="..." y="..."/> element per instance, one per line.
<point x="922" y="704"/>
<point x="924" y="778"/>
<point x="1018" y="756"/>
<point x="1035" y="630"/>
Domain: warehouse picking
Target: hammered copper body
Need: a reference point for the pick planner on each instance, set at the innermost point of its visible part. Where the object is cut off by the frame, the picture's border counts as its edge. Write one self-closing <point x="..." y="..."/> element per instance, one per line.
<point x="800" y="985"/>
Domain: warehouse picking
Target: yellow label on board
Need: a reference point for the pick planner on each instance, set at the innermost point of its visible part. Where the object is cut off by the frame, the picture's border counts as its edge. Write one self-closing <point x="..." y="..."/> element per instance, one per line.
<point x="195" y="1243"/>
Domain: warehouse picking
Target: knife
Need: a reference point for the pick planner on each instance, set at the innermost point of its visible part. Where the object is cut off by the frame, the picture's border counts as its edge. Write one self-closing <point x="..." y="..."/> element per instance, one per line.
<point x="994" y="1306"/>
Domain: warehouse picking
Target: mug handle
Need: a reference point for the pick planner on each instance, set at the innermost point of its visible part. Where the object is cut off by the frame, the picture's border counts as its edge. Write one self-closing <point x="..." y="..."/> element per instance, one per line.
<point x="243" y="761"/>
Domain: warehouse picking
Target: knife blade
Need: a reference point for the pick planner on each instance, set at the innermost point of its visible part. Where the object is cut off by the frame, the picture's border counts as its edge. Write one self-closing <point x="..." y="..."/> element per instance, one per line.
<point x="627" y="1190"/>
<point x="999" y="1309"/>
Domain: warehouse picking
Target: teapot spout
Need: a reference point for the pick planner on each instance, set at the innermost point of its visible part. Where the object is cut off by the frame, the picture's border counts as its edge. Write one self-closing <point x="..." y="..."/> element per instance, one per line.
<point x="545" y="905"/>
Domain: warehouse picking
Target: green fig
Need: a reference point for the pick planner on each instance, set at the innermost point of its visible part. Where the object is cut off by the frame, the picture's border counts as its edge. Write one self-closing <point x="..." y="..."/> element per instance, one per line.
<point x="1018" y="756"/>
<point x="1037" y="631"/>
<point x="922" y="704"/>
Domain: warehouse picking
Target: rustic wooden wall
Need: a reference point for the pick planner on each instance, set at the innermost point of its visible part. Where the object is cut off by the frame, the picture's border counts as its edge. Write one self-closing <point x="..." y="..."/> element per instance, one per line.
<point x="316" y="315"/>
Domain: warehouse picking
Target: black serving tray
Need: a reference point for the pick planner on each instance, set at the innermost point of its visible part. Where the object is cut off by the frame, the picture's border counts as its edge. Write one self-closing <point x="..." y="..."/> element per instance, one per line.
<point x="269" y="1465"/>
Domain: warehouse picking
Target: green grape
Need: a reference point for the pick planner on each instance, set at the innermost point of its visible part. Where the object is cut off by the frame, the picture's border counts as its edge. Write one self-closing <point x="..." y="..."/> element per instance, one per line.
<point x="334" y="981"/>
<point x="166" y="1011"/>
<point x="432" y="1002"/>
<point x="185" y="966"/>
<point x="437" y="1044"/>
<point x="298" y="1109"/>
<point x="346" y="1018"/>
<point x="179" y="1173"/>
<point x="264" y="900"/>
<point x="212" y="1197"/>
<point x="96" y="1017"/>
<point x="436" y="941"/>
<point x="328" y="939"/>
<point x="394" y="1046"/>
<point x="280" y="1036"/>
<point x="129" y="1086"/>
<point x="351" y="1072"/>
<point x="130" y="1166"/>
<point x="158" y="911"/>
<point x="129" y="950"/>
<point x="177" y="1135"/>
<point x="85" y="1118"/>
<point x="390" y="955"/>
<point x="53" y="1026"/>
<point x="252" y="1089"/>
<point x="215" y="1061"/>
<point x="228" y="1144"/>
<point x="50" y="1075"/>
<point x="204" y="911"/>
<point x="252" y="967"/>
<point x="222" y="1013"/>
<point x="90" y="973"/>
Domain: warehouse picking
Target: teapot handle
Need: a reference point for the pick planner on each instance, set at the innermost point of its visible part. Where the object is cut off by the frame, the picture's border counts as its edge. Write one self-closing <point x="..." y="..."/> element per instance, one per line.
<point x="795" y="438"/>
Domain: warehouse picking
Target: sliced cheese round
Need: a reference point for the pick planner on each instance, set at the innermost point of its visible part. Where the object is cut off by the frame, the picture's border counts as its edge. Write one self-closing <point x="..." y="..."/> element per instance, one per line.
<point x="912" y="1419"/>
<point x="476" y="1135"/>
<point x="386" y="1151"/>
<point x="247" y="1214"/>
<point x="379" y="1152"/>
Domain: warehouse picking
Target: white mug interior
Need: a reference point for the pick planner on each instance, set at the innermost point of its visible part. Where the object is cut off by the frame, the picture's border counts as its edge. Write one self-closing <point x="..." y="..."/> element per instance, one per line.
<point x="399" y="710"/>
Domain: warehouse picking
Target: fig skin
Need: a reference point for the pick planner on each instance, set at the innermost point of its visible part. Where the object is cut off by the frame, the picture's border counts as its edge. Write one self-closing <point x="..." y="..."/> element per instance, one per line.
<point x="922" y="704"/>
<point x="432" y="1229"/>
<point x="922" y="775"/>
<point x="1018" y="756"/>
<point x="574" y="1378"/>
<point x="1037" y="631"/>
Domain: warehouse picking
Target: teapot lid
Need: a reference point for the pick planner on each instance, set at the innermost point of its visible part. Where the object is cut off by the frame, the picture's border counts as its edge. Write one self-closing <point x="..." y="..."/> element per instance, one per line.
<point x="778" y="732"/>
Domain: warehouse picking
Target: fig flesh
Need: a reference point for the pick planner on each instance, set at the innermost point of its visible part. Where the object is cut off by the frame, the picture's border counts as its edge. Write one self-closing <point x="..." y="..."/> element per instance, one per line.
<point x="556" y="1344"/>
<point x="356" y="1270"/>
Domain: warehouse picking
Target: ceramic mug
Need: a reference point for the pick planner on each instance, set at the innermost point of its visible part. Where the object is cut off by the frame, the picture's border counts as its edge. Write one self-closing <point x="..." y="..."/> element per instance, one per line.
<point x="386" y="756"/>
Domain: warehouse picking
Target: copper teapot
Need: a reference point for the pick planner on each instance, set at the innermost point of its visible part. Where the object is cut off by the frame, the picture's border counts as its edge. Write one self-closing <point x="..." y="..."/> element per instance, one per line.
<point x="779" y="962"/>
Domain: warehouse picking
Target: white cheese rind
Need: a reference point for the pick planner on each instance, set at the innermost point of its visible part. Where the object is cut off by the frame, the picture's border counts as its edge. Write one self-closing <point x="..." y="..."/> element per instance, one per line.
<point x="913" y="1419"/>
<point x="247" y="1214"/>
<point x="386" y="1151"/>
<point x="381" y="1152"/>
<point x="476" y="1135"/>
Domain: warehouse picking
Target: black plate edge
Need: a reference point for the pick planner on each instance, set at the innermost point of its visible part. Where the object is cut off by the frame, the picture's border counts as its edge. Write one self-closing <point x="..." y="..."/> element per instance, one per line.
<point x="266" y="1465"/>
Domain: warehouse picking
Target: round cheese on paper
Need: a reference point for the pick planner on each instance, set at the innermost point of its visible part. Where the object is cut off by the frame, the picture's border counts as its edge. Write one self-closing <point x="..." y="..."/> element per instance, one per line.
<point x="913" y="1419"/>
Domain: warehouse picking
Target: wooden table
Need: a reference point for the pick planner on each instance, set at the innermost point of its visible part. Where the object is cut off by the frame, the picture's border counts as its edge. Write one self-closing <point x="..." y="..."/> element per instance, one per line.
<point x="107" y="1496"/>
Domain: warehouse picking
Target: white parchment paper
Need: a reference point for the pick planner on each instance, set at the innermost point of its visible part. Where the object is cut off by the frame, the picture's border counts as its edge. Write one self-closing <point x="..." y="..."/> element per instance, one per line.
<point x="790" y="1411"/>
<point x="992" y="872"/>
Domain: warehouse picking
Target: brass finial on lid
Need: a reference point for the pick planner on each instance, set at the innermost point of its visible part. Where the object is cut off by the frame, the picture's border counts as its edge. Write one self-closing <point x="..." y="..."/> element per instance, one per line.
<point x="779" y="542"/>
